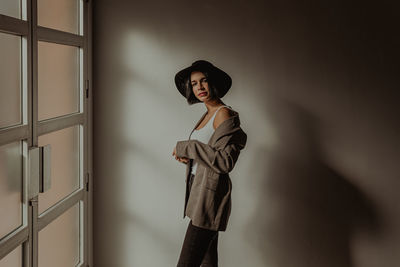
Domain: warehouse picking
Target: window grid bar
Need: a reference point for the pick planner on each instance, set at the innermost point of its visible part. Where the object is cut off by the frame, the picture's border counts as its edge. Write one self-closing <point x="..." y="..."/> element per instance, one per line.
<point x="59" y="208"/>
<point x="13" y="240"/>
<point x="59" y="123"/>
<point x="13" y="25"/>
<point x="14" y="134"/>
<point x="59" y="37"/>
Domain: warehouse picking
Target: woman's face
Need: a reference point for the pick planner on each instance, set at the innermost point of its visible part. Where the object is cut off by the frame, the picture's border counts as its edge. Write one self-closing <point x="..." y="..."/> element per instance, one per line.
<point x="200" y="85"/>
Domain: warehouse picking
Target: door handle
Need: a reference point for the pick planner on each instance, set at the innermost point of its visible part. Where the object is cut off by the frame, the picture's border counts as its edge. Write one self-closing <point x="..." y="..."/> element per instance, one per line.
<point x="34" y="163"/>
<point x="39" y="170"/>
<point x="45" y="168"/>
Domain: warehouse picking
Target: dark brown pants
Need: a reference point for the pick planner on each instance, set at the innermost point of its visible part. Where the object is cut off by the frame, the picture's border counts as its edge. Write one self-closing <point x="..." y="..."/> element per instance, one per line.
<point x="199" y="248"/>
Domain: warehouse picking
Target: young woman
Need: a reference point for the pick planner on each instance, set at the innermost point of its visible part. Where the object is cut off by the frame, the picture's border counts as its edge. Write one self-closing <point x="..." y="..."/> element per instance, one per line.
<point x="210" y="154"/>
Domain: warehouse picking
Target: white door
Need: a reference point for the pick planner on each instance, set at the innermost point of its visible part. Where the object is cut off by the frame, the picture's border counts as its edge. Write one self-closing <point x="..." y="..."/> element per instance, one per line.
<point x="44" y="133"/>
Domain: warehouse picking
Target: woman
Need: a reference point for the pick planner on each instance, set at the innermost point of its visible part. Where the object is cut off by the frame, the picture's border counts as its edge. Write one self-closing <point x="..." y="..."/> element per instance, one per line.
<point x="210" y="154"/>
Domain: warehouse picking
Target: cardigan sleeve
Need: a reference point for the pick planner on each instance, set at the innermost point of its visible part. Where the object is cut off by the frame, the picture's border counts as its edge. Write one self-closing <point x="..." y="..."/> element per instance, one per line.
<point x="221" y="160"/>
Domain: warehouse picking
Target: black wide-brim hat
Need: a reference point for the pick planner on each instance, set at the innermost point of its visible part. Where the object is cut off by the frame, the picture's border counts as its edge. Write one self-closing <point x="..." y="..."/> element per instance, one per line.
<point x="218" y="77"/>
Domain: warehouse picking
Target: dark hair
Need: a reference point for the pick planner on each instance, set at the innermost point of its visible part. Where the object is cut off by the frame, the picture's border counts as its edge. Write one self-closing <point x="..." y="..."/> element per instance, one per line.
<point x="190" y="97"/>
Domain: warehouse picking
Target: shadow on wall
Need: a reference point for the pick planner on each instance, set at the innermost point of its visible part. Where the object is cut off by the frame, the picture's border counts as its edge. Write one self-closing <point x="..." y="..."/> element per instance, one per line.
<point x="330" y="178"/>
<point x="307" y="213"/>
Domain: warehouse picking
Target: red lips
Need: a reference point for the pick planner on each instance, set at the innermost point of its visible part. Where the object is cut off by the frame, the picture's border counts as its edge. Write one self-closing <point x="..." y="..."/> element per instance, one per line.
<point x="201" y="94"/>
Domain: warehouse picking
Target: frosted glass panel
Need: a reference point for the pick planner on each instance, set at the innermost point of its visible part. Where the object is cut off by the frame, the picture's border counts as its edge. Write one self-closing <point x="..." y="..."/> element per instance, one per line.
<point x="58" y="80"/>
<point x="64" y="165"/>
<point x="11" y="8"/>
<point x="59" y="241"/>
<point x="10" y="188"/>
<point x="13" y="259"/>
<point x="61" y="15"/>
<point x="10" y="79"/>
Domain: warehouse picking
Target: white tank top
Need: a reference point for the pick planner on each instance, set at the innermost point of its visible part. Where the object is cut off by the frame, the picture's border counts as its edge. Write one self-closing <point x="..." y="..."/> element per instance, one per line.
<point x="204" y="134"/>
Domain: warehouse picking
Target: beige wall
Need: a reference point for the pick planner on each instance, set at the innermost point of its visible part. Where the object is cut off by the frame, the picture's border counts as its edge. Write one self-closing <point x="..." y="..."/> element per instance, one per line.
<point x="315" y="86"/>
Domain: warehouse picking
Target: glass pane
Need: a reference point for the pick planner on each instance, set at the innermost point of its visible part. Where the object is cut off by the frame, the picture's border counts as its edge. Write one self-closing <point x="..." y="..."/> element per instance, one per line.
<point x="62" y="15"/>
<point x="10" y="79"/>
<point x="59" y="241"/>
<point x="11" y="8"/>
<point x="10" y="188"/>
<point x="13" y="259"/>
<point x="64" y="165"/>
<point x="58" y="80"/>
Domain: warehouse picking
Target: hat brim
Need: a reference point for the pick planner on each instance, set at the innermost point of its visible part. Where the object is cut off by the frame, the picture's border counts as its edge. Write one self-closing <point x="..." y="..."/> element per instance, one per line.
<point x="221" y="79"/>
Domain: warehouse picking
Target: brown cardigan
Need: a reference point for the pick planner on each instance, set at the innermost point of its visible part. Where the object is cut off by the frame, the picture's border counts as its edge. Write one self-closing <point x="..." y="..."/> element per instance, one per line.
<point x="209" y="202"/>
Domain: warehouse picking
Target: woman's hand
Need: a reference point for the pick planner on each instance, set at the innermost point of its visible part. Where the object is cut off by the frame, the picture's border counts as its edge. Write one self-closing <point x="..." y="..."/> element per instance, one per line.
<point x="183" y="160"/>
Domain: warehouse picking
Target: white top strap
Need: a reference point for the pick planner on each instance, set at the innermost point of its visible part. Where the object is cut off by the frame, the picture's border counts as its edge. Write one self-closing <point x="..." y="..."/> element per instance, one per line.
<point x="215" y="113"/>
